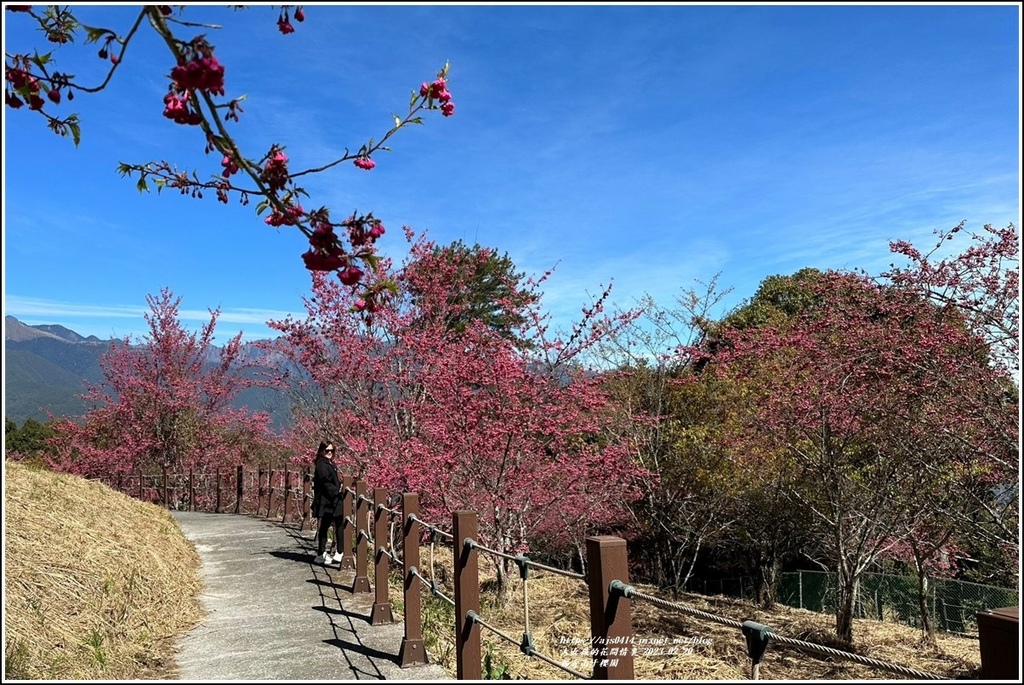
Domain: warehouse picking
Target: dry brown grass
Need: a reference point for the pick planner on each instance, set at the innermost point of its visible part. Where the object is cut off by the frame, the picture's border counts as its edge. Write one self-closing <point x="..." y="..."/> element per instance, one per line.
<point x="97" y="585"/>
<point x="559" y="618"/>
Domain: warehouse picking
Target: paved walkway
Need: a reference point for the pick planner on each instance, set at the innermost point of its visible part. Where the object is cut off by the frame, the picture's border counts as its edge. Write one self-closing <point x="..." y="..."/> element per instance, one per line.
<point x="274" y="615"/>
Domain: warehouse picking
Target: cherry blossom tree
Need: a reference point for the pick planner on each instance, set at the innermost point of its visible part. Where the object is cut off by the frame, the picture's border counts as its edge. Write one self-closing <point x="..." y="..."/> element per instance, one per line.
<point x="467" y="416"/>
<point x="844" y="392"/>
<point x="164" y="403"/>
<point x="982" y="282"/>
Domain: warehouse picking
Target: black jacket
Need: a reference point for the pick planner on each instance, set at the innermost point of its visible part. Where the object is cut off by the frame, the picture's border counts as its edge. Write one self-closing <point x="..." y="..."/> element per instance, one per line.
<point x="326" y="489"/>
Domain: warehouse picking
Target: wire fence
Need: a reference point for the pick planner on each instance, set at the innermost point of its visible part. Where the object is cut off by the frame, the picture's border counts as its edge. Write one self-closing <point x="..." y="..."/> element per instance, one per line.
<point x="952" y="604"/>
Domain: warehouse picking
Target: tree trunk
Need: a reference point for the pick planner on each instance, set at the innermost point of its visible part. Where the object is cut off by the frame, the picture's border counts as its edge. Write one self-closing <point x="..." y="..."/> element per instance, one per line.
<point x="767" y="581"/>
<point x="922" y="599"/>
<point x="847" y="592"/>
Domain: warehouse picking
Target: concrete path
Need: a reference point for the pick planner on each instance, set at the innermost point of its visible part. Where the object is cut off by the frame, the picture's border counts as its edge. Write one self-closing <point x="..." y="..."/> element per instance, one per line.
<point x="274" y="615"/>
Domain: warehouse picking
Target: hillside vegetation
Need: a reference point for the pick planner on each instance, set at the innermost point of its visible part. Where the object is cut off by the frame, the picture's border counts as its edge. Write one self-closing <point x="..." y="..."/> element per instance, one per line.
<point x="97" y="584"/>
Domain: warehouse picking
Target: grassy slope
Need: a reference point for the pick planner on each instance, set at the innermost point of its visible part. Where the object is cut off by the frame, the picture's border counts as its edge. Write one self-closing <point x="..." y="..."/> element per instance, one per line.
<point x="97" y="585"/>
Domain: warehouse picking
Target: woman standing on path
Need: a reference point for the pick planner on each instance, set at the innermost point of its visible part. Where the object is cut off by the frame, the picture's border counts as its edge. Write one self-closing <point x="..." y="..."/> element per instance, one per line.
<point x="326" y="488"/>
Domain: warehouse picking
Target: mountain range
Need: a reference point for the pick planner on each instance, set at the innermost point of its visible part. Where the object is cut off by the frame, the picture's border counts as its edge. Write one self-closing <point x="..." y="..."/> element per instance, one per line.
<point x="47" y="367"/>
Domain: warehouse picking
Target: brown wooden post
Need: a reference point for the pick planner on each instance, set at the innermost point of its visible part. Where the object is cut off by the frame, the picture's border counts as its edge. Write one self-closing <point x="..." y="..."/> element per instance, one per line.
<point x="167" y="497"/>
<point x="467" y="597"/>
<point x="270" y="490"/>
<point x="362" y="580"/>
<point x="239" y="488"/>
<point x="610" y="623"/>
<point x="347" y="511"/>
<point x="412" y="651"/>
<point x="287" y="492"/>
<point x="381" y="612"/>
<point x="305" y="499"/>
<point x="259" y="489"/>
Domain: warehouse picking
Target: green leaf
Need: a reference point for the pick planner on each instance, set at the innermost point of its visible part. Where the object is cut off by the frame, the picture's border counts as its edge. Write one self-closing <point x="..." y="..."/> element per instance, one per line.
<point x="262" y="207"/>
<point x="141" y="185"/>
<point x="160" y="185"/>
<point x="76" y="130"/>
<point x="93" y="34"/>
<point x="41" y="60"/>
<point x="398" y="122"/>
<point x="416" y="120"/>
<point x="414" y="98"/>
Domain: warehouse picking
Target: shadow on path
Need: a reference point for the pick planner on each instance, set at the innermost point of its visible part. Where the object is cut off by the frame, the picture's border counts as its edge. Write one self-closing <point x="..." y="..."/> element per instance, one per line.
<point x="274" y="615"/>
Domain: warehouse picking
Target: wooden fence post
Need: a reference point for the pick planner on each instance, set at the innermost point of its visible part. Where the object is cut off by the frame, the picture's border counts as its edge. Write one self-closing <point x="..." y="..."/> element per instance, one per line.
<point x="287" y="492"/>
<point x="361" y="583"/>
<point x="610" y="623"/>
<point x="305" y="500"/>
<point x="270" y="490"/>
<point x="348" y="512"/>
<point x="467" y="597"/>
<point x="412" y="650"/>
<point x="259" y="489"/>
<point x="381" y="612"/>
<point x="239" y="489"/>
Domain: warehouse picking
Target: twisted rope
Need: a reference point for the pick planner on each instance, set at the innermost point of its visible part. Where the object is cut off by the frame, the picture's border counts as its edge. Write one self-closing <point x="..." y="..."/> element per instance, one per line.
<point x="630" y="592"/>
<point x="526" y="646"/>
<point x="434" y="590"/>
<point x="866" y="661"/>
<point x="433" y="529"/>
<point x="393" y="512"/>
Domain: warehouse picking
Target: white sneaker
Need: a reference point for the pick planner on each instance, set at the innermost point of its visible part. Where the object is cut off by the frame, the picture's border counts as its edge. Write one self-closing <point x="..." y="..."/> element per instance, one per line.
<point x="337" y="558"/>
<point x="320" y="559"/>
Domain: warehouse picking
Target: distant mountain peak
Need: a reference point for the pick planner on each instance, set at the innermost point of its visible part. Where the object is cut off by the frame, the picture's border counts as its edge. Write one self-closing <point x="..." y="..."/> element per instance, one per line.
<point x="16" y="331"/>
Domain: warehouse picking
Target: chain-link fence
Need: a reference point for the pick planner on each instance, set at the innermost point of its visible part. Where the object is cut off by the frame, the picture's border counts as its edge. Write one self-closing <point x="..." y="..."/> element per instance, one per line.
<point x="952" y="604"/>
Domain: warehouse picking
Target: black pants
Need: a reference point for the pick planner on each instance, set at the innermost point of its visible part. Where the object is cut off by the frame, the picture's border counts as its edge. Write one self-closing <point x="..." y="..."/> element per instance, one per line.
<point x="326" y="521"/>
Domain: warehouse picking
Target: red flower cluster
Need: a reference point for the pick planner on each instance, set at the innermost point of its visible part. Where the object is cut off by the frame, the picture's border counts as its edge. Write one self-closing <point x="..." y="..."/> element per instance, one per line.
<point x="28" y="84"/>
<point x="365" y="163"/>
<point x="176" y="108"/>
<point x="284" y="25"/>
<point x="324" y="253"/>
<point x="229" y="166"/>
<point x="363" y="230"/>
<point x="203" y="72"/>
<point x="290" y="217"/>
<point x="275" y="172"/>
<point x="438" y="90"/>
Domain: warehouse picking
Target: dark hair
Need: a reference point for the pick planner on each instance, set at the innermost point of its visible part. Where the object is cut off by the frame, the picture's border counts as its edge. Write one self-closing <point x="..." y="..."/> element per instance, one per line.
<point x="322" y="449"/>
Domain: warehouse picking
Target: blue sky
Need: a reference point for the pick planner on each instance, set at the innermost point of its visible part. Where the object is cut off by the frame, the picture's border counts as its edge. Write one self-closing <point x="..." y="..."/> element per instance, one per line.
<point x="647" y="146"/>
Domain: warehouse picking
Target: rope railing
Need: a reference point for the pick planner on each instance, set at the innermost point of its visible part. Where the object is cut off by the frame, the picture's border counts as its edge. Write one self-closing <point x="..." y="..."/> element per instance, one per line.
<point x="434" y="589"/>
<point x="525" y="645"/>
<point x="434" y="530"/>
<point x="758" y="636"/>
<point x="606" y="564"/>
